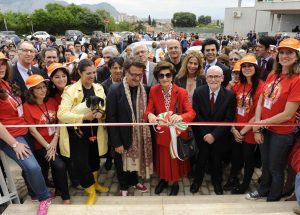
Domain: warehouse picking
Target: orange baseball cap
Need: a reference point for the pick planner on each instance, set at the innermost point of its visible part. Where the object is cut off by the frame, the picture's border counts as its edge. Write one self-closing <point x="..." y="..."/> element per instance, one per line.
<point x="161" y="54"/>
<point x="249" y="59"/>
<point x="98" y="62"/>
<point x="34" y="80"/>
<point x="150" y="55"/>
<point x="290" y="43"/>
<point x="3" y="57"/>
<point x="73" y="59"/>
<point x="55" y="66"/>
<point x="237" y="66"/>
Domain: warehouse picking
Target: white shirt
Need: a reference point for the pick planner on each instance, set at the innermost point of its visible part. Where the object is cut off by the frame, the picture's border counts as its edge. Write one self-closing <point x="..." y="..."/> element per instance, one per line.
<point x="83" y="55"/>
<point x="23" y="71"/>
<point x="216" y="94"/>
<point x="157" y="53"/>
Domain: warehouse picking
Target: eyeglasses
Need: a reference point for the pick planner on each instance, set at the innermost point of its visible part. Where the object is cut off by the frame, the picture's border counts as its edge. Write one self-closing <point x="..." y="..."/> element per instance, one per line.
<point x="134" y="75"/>
<point x="233" y="59"/>
<point x="213" y="77"/>
<point x="31" y="51"/>
<point x="162" y="76"/>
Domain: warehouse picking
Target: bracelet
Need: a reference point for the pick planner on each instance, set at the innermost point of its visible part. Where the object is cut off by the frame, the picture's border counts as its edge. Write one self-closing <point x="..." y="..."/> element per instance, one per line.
<point x="257" y="132"/>
<point x="56" y="134"/>
<point x="48" y="146"/>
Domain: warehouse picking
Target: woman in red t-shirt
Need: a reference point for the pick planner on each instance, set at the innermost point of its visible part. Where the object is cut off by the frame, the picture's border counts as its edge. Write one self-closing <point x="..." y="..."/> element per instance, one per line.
<point x="14" y="141"/>
<point x="247" y="92"/>
<point x="59" y="79"/>
<point x="277" y="104"/>
<point x="39" y="109"/>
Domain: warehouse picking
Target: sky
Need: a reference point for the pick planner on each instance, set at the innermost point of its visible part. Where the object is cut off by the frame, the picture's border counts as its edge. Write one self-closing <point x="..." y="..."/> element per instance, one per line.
<point x="164" y="9"/>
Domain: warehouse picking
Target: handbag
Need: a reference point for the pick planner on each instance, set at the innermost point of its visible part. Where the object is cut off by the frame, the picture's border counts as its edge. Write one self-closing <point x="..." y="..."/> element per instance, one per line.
<point x="186" y="148"/>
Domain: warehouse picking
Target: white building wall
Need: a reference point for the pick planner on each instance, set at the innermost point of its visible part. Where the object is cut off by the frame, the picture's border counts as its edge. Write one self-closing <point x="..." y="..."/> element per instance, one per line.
<point x="288" y="22"/>
<point x="241" y="25"/>
<point x="262" y="21"/>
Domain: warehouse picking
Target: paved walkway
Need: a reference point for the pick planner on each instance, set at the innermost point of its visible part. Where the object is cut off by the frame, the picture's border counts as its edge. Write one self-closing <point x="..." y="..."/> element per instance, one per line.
<point x="108" y="178"/>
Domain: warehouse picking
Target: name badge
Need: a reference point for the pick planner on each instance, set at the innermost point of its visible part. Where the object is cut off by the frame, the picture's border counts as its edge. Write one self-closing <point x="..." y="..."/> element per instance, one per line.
<point x="241" y="111"/>
<point x="51" y="131"/>
<point x="268" y="103"/>
<point x="20" y="110"/>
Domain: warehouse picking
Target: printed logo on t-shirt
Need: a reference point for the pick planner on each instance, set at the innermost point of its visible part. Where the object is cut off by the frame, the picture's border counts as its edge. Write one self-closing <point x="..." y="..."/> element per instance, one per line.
<point x="44" y="119"/>
<point x="247" y="104"/>
<point x="276" y="92"/>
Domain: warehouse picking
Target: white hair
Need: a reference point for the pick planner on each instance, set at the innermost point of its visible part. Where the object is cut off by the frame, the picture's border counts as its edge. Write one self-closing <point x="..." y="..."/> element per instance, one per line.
<point x="111" y="50"/>
<point x="215" y="68"/>
<point x="136" y="46"/>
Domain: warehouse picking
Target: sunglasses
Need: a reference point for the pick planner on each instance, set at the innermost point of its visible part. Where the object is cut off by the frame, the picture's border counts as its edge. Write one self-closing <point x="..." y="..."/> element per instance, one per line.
<point x="167" y="75"/>
<point x="233" y="59"/>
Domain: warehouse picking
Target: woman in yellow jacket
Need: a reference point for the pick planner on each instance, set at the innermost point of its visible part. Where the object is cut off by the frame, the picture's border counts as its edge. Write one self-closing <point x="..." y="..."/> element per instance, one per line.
<point x="83" y="145"/>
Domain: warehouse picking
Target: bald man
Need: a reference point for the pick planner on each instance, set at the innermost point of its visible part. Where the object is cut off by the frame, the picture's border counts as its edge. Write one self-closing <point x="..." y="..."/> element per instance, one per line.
<point x="174" y="54"/>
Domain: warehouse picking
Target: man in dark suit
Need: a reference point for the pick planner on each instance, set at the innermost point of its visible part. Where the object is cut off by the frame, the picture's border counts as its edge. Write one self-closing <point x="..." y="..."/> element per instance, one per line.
<point x="23" y="68"/>
<point x="210" y="48"/>
<point x="140" y="52"/>
<point x="212" y="103"/>
<point x="264" y="59"/>
<point x="126" y="103"/>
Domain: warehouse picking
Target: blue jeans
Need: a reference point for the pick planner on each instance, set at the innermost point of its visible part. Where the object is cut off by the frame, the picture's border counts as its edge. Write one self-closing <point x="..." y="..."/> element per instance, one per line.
<point x="31" y="169"/>
<point x="297" y="187"/>
<point x="274" y="154"/>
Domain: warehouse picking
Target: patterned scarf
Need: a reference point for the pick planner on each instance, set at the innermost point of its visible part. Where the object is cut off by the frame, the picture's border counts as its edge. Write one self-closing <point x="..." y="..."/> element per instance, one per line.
<point x="139" y="156"/>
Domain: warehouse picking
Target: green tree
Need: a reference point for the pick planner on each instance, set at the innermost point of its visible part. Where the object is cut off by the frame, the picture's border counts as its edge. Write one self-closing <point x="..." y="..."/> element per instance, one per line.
<point x="204" y="20"/>
<point x="207" y="20"/>
<point x="153" y="23"/>
<point x="149" y="20"/>
<point x="184" y="19"/>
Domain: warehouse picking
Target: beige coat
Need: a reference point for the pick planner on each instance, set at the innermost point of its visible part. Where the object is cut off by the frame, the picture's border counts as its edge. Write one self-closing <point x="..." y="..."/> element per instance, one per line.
<point x="71" y="97"/>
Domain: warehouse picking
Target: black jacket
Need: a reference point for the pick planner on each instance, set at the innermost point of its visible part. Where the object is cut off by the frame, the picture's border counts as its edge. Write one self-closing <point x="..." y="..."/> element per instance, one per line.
<point x="225" y="107"/>
<point x="181" y="82"/>
<point x="118" y="111"/>
<point x="267" y="70"/>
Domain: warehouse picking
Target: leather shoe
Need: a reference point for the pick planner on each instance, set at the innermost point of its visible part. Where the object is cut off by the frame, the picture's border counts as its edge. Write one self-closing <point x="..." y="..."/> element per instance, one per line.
<point x="218" y="189"/>
<point x="174" y="190"/>
<point x="195" y="187"/>
<point x="231" y="183"/>
<point x="161" y="186"/>
<point x="241" y="189"/>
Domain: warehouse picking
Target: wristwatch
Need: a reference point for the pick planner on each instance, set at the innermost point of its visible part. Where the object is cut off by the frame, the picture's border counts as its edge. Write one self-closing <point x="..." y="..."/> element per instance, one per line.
<point x="14" y="145"/>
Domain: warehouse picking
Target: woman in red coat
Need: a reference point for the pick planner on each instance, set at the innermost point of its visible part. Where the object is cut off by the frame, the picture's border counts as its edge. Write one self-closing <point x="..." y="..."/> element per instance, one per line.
<point x="163" y="98"/>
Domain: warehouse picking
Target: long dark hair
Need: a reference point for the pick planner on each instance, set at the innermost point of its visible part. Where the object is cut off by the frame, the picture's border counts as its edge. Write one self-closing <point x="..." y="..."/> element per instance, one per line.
<point x="30" y="97"/>
<point x="52" y="88"/>
<point x="15" y="89"/>
<point x="254" y="79"/>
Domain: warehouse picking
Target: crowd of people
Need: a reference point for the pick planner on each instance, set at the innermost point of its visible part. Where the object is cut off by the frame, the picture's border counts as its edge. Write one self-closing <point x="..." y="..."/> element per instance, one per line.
<point x="240" y="81"/>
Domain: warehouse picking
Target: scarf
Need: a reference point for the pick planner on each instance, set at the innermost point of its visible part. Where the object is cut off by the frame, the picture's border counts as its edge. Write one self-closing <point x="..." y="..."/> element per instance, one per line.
<point x="139" y="156"/>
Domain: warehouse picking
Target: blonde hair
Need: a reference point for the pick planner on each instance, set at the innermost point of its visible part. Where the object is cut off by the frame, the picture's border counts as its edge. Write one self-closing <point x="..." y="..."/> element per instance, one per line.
<point x="184" y="71"/>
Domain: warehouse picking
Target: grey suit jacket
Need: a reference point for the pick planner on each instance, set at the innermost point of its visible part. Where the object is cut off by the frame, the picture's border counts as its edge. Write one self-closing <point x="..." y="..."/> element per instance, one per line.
<point x="151" y="80"/>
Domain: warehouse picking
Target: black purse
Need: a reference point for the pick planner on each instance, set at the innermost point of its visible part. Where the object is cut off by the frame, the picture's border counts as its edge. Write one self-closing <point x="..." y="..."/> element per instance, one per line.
<point x="186" y="148"/>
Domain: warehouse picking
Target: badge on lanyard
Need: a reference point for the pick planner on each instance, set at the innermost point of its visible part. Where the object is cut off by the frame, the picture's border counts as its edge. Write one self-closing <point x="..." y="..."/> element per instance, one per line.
<point x="268" y="103"/>
<point x="20" y="110"/>
<point x="51" y="131"/>
<point x="241" y="111"/>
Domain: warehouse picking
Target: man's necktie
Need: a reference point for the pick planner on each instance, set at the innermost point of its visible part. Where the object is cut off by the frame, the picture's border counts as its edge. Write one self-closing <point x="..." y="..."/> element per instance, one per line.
<point x="29" y="72"/>
<point x="145" y="78"/>
<point x="206" y="68"/>
<point x="212" y="102"/>
<point x="263" y="66"/>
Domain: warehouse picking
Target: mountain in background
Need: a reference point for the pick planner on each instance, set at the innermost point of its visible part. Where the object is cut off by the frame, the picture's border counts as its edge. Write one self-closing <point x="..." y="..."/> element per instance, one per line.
<point x="29" y="6"/>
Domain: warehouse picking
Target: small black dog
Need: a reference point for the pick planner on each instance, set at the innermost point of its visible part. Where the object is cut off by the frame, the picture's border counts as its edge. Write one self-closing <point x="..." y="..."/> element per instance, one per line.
<point x="94" y="103"/>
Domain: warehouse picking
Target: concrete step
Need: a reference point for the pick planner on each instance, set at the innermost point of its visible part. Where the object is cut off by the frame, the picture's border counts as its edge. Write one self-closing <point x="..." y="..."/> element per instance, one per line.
<point x="160" y="205"/>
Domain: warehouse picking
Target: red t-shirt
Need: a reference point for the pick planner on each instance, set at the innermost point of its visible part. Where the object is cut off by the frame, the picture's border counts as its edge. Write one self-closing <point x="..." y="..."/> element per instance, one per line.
<point x="286" y="89"/>
<point x="246" y="106"/>
<point x="40" y="114"/>
<point x="9" y="111"/>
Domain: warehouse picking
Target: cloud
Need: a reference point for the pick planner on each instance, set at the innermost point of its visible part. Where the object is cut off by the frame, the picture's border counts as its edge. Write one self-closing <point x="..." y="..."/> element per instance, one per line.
<point x="166" y="8"/>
